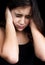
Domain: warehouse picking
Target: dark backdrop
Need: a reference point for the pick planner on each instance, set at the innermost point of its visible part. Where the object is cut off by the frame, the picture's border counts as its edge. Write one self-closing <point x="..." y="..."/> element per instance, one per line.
<point x="41" y="5"/>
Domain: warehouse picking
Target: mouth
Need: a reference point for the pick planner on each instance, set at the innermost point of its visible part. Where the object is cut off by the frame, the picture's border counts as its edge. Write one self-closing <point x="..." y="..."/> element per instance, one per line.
<point x="20" y="27"/>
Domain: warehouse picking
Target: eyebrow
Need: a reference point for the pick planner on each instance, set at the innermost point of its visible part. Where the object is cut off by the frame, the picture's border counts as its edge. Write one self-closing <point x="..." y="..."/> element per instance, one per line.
<point x="18" y="14"/>
<point x="22" y="14"/>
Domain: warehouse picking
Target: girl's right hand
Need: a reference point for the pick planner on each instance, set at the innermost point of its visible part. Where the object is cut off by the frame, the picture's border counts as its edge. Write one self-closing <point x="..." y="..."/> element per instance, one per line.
<point x="8" y="15"/>
<point x="10" y="48"/>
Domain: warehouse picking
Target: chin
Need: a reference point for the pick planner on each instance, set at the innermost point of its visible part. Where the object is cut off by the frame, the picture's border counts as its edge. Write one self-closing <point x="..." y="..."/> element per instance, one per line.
<point x="20" y="30"/>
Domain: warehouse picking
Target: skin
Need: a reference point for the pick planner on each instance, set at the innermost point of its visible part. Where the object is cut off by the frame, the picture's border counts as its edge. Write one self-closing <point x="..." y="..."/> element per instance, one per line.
<point x="21" y="16"/>
<point x="21" y="20"/>
<point x="8" y="49"/>
<point x="13" y="38"/>
<point x="39" y="41"/>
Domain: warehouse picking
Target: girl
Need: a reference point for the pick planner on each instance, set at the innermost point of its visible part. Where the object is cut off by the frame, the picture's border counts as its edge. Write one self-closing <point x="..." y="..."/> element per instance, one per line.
<point x="17" y="45"/>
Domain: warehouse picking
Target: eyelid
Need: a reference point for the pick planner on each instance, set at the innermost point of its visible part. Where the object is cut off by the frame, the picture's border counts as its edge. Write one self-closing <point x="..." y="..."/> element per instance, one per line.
<point x="18" y="15"/>
<point x="28" y="16"/>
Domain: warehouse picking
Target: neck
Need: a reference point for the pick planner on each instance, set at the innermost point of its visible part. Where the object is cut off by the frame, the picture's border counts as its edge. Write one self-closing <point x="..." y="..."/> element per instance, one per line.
<point x="22" y="38"/>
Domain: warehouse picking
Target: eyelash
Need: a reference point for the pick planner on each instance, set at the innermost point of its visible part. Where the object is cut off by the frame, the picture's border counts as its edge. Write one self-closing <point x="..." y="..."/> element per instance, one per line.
<point x="28" y="17"/>
<point x="19" y="15"/>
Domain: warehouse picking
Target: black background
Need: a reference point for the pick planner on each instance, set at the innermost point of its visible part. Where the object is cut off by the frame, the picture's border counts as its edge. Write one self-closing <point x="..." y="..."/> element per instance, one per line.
<point x="41" y="5"/>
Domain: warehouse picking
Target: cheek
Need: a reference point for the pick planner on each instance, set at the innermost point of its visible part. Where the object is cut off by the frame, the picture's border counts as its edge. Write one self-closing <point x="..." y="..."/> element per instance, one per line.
<point x="15" y="20"/>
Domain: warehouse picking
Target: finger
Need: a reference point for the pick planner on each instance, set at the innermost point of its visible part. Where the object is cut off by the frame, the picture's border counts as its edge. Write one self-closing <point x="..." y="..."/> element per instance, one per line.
<point x="8" y="15"/>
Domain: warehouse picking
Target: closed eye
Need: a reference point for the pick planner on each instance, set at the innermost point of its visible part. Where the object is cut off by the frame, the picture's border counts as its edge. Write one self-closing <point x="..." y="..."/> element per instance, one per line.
<point x="18" y="15"/>
<point x="28" y="16"/>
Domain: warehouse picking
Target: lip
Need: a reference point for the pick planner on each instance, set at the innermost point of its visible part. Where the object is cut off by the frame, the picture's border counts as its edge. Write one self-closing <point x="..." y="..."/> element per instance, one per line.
<point x="21" y="27"/>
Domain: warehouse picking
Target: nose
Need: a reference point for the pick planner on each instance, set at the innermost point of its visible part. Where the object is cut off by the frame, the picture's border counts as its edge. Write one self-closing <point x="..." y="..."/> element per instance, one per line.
<point x="22" y="21"/>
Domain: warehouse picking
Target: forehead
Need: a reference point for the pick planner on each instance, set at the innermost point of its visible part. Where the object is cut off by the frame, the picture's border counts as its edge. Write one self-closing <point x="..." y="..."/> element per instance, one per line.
<point x="22" y="10"/>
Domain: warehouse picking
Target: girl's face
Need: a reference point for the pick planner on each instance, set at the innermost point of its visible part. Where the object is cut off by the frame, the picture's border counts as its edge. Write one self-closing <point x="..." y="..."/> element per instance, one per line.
<point x="21" y="17"/>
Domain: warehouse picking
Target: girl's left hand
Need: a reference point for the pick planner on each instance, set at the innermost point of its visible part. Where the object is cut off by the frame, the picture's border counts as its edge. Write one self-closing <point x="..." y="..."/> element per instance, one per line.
<point x="32" y="24"/>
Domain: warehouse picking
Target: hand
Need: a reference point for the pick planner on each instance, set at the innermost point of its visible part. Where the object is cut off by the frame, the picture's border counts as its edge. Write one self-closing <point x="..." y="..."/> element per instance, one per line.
<point x="10" y="48"/>
<point x="32" y="24"/>
<point x="39" y="41"/>
<point x="8" y="16"/>
<point x="10" y="29"/>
